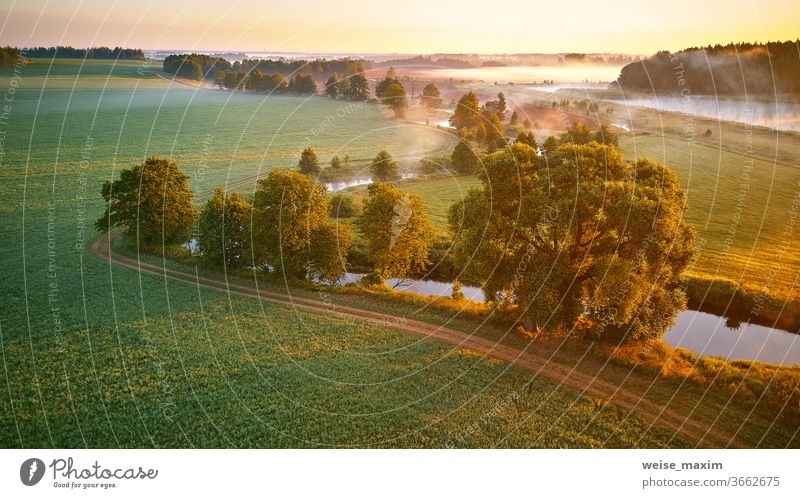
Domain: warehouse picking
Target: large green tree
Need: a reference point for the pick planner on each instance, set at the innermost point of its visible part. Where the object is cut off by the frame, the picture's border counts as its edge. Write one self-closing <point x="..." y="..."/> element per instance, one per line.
<point x="397" y="231"/>
<point x="464" y="159"/>
<point x="224" y="230"/>
<point x="358" y="89"/>
<point x="152" y="200"/>
<point x="384" y="168"/>
<point x="308" y="163"/>
<point x="388" y="80"/>
<point x="431" y="97"/>
<point x="577" y="236"/>
<point x="292" y="234"/>
<point x="395" y="99"/>
<point x="467" y="113"/>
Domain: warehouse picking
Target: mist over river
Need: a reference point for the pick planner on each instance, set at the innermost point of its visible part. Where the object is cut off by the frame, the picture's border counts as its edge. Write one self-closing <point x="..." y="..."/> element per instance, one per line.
<point x="783" y="116"/>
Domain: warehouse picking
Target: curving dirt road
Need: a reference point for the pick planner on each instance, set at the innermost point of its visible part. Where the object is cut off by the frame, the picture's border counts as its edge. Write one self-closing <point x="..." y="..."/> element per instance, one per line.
<point x="626" y="399"/>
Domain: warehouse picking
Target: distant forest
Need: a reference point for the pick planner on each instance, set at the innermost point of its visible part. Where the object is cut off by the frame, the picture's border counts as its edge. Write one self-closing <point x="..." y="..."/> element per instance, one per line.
<point x="85" y="53"/>
<point x="733" y="69"/>
<point x="200" y="66"/>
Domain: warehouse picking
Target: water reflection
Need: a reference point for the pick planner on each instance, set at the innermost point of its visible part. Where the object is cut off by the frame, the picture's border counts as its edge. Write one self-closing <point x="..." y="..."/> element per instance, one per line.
<point x="709" y="335"/>
<point x="424" y="287"/>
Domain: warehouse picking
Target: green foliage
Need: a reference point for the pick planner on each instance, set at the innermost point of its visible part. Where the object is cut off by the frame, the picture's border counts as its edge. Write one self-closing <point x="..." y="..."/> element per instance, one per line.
<point x="152" y="200"/>
<point x="309" y="164"/>
<point x="514" y="118"/>
<point x="604" y="135"/>
<point x="344" y="206"/>
<point x="394" y="97"/>
<point x="431" y="97"/>
<point x="194" y="66"/>
<point x="577" y="134"/>
<point x="336" y="163"/>
<point x="332" y="87"/>
<point x="384" y="168"/>
<point x="457" y="293"/>
<point x="467" y="112"/>
<point x="259" y="82"/>
<point x="292" y="234"/>
<point x="397" y="231"/>
<point x="464" y="158"/>
<point x="577" y="235"/>
<point x="734" y="69"/>
<point x="495" y="137"/>
<point x="358" y="88"/>
<point x="9" y="56"/>
<point x="527" y="138"/>
<point x="302" y="84"/>
<point x="384" y="84"/>
<point x="501" y="105"/>
<point x="224" y="230"/>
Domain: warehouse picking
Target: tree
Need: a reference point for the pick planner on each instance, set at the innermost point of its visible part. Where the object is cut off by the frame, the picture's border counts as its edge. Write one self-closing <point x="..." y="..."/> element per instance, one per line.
<point x="384" y="168"/>
<point x="577" y="134"/>
<point x="397" y="231"/>
<point x="302" y="84"/>
<point x="464" y="159"/>
<point x="431" y="97"/>
<point x="604" y="135"/>
<point x="336" y="163"/>
<point x="358" y="89"/>
<point x="527" y="138"/>
<point x="292" y="234"/>
<point x="514" y="118"/>
<point x="495" y="137"/>
<point x="394" y="97"/>
<point x="527" y="124"/>
<point x="385" y="83"/>
<point x="152" y="200"/>
<point x="332" y="87"/>
<point x="219" y="78"/>
<point x="501" y="105"/>
<point x="467" y="112"/>
<point x="309" y="164"/>
<point x="224" y="230"/>
<point x="579" y="235"/>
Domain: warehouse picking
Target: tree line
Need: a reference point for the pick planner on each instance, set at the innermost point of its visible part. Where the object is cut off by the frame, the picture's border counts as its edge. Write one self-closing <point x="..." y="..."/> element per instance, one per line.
<point x="732" y="69"/>
<point x="61" y="52"/>
<point x="284" y="228"/>
<point x="563" y="234"/>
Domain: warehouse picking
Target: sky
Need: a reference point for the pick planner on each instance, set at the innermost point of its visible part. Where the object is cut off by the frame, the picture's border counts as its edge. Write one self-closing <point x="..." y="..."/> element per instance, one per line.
<point x="381" y="26"/>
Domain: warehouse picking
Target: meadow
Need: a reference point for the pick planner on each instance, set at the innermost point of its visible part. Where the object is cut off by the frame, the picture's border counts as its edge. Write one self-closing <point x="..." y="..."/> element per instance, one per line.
<point x="102" y="356"/>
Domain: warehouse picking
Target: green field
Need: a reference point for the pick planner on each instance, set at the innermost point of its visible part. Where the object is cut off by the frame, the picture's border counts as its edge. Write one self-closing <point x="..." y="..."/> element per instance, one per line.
<point x="98" y="355"/>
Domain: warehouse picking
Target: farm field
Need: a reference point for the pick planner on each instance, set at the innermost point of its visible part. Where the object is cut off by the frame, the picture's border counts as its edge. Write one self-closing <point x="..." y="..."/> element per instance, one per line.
<point x="103" y="356"/>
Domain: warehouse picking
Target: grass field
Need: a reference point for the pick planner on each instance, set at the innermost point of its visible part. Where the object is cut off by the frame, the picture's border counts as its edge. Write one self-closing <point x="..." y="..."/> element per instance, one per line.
<point x="97" y="355"/>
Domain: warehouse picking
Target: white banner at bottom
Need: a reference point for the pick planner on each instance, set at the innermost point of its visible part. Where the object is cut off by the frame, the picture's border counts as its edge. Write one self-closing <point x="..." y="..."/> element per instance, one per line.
<point x="390" y="473"/>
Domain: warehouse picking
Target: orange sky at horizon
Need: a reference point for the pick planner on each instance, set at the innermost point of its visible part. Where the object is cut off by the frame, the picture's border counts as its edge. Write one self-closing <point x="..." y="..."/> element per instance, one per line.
<point x="380" y="26"/>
